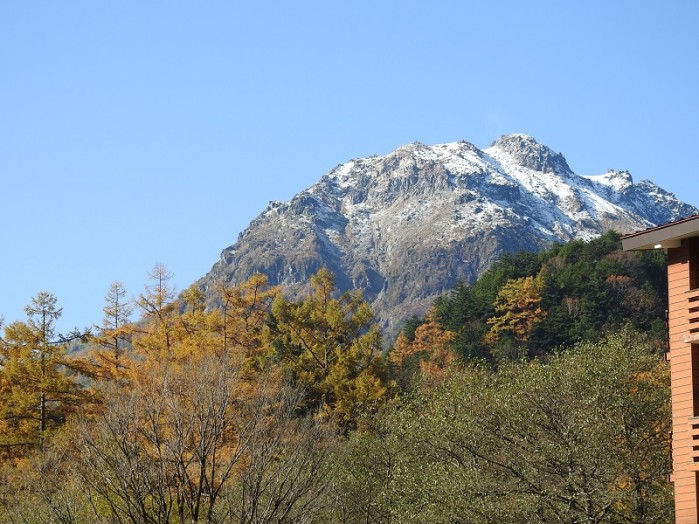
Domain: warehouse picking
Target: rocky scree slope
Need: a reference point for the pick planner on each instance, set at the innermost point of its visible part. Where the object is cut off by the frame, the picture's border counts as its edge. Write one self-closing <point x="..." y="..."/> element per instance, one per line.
<point x="405" y="227"/>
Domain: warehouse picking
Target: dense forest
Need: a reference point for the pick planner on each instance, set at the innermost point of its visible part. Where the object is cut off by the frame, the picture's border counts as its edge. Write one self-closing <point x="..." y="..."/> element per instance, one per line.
<point x="537" y="394"/>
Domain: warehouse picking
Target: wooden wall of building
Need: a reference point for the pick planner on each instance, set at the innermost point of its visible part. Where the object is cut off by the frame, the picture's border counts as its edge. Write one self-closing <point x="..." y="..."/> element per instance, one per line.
<point x="685" y="374"/>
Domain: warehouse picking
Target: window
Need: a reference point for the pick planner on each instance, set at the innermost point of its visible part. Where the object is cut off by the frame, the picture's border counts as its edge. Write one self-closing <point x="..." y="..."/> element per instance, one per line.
<point x="694" y="263"/>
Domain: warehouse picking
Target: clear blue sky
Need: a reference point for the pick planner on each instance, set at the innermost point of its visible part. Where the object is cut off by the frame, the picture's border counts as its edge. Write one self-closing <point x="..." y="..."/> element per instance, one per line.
<point x="137" y="132"/>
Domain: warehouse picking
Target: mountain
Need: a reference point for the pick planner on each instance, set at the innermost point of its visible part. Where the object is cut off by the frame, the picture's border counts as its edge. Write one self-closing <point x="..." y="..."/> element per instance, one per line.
<point x="406" y="227"/>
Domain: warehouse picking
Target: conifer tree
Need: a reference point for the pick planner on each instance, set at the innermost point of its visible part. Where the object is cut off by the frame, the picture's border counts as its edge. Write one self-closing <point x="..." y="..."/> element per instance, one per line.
<point x="115" y="334"/>
<point x="157" y="306"/>
<point x="333" y="347"/>
<point x="429" y="352"/>
<point x="518" y="311"/>
<point x="245" y="309"/>
<point x="37" y="385"/>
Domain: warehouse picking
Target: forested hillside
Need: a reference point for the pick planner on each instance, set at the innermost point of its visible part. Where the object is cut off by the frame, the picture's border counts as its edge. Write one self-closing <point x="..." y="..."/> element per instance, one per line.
<point x="529" y="304"/>
<point x="538" y="394"/>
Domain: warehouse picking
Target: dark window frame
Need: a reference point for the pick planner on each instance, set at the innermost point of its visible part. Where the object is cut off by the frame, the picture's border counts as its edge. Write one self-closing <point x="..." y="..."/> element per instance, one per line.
<point x="693" y="248"/>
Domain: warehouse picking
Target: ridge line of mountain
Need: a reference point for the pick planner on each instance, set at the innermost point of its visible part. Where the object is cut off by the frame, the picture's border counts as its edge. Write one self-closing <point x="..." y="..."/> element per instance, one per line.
<point x="407" y="226"/>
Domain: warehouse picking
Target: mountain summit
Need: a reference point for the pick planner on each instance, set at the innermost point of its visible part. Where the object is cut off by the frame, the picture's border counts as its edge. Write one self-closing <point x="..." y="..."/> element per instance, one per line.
<point x="405" y="227"/>
<point x="527" y="152"/>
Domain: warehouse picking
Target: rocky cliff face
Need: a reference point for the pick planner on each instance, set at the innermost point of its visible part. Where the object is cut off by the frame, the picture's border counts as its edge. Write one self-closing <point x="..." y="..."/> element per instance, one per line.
<point x="407" y="226"/>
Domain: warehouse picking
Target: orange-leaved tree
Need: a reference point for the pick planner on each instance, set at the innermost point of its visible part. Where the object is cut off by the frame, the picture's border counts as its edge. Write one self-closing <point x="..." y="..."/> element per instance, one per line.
<point x="113" y="338"/>
<point x="38" y="381"/>
<point x="245" y="310"/>
<point x="429" y="352"/>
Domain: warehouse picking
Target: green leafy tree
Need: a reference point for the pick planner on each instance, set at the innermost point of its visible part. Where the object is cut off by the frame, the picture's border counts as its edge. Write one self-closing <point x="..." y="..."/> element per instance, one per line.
<point x="581" y="437"/>
<point x="464" y="312"/>
<point x="364" y="470"/>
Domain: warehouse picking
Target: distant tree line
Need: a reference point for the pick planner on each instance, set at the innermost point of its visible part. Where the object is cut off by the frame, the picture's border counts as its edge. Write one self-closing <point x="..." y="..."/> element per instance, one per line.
<point x="528" y="304"/>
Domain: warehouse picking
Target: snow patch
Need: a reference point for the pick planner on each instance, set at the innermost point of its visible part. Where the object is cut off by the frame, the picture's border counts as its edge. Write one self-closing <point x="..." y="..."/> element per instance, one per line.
<point x="616" y="180"/>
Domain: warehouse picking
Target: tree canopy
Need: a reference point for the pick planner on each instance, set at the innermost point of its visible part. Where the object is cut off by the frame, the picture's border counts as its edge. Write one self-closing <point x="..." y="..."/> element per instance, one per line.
<point x="536" y="394"/>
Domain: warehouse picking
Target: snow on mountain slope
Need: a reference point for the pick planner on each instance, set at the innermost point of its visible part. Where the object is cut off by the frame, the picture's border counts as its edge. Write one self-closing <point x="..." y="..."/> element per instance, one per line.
<point x="407" y="226"/>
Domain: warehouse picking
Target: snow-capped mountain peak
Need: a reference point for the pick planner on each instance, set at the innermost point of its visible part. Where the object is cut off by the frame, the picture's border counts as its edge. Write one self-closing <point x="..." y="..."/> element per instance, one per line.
<point x="405" y="227"/>
<point x="525" y="151"/>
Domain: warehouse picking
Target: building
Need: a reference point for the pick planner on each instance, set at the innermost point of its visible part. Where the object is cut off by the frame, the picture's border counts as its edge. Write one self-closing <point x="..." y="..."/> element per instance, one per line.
<point x="680" y="240"/>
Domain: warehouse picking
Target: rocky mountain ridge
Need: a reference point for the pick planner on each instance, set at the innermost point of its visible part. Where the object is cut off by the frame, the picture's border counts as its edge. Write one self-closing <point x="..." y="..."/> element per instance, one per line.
<point x="405" y="227"/>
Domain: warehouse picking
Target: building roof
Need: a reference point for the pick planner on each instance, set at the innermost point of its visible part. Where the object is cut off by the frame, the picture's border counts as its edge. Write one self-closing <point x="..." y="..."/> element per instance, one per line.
<point x="664" y="236"/>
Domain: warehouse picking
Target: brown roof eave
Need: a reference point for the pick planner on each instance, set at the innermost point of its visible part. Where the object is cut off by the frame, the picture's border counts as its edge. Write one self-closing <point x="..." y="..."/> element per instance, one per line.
<point x="663" y="236"/>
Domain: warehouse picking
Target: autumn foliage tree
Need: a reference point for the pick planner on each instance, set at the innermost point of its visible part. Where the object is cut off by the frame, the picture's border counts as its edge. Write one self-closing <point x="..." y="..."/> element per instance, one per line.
<point x="517" y="311"/>
<point x="253" y="408"/>
<point x="158" y="309"/>
<point x="333" y="347"/>
<point x="164" y="448"/>
<point x="38" y="388"/>
<point x="199" y="432"/>
<point x="113" y="338"/>
<point x="428" y="353"/>
<point x="245" y="310"/>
